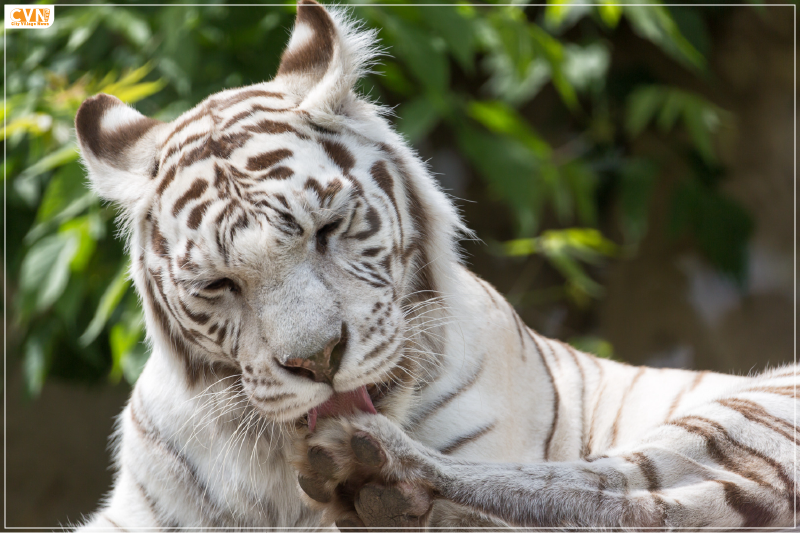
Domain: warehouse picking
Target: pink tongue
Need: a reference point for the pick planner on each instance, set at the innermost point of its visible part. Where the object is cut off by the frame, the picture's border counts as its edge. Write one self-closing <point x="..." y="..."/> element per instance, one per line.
<point x="342" y="403"/>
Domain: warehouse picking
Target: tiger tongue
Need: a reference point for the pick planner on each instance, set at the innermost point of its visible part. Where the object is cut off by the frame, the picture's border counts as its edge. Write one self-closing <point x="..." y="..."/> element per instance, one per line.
<point x="342" y="403"/>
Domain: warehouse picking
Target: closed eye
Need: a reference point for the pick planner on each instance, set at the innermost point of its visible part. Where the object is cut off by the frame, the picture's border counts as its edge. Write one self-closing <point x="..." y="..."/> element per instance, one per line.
<point x="324" y="233"/>
<point x="221" y="284"/>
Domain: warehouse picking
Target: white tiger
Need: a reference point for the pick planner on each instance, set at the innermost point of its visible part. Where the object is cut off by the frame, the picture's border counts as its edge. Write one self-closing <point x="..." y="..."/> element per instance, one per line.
<point x="308" y="312"/>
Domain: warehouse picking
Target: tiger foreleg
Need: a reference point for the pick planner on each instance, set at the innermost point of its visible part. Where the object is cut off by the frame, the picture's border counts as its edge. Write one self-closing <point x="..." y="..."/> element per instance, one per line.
<point x="366" y="472"/>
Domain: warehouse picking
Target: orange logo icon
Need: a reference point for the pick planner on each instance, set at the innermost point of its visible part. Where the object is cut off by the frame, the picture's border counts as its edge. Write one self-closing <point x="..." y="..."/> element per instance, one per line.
<point x="25" y="16"/>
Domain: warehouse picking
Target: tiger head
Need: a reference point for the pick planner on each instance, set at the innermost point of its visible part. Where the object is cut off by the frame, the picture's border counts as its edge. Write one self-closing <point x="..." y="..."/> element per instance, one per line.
<point x="281" y="233"/>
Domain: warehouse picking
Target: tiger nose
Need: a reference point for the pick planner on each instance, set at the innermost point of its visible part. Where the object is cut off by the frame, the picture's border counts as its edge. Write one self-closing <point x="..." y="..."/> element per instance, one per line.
<point x="323" y="365"/>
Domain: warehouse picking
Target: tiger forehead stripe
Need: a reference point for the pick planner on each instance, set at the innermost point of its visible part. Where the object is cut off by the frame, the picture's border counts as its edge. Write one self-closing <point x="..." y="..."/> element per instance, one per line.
<point x="279" y="173"/>
<point x="339" y="154"/>
<point x="268" y="159"/>
<point x="194" y="192"/>
<point x="272" y="127"/>
<point x="185" y="122"/>
<point x="187" y="141"/>
<point x="324" y="193"/>
<point x="252" y="110"/>
<point x="241" y="96"/>
<point x="197" y="214"/>
<point x="384" y="180"/>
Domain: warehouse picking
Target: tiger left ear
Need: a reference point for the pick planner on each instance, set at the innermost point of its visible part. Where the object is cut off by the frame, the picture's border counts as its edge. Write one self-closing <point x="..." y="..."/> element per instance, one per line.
<point x="119" y="147"/>
<point x="325" y="57"/>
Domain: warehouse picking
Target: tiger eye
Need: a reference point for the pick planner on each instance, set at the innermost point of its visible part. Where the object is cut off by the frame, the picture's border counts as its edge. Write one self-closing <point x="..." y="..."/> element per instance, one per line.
<point x="222" y="284"/>
<point x="324" y="233"/>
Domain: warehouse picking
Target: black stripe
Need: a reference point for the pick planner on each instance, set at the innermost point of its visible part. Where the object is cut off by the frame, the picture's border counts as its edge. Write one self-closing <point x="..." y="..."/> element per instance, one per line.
<point x="615" y="425"/>
<point x="438" y="404"/>
<point x="648" y="469"/>
<point x="757" y="414"/>
<point x="152" y="435"/>
<point x="556" y="399"/>
<point x="466" y="439"/>
<point x="576" y="360"/>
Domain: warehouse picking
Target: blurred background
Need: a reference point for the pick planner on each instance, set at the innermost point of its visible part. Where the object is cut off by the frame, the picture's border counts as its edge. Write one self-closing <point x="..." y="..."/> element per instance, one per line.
<point x="629" y="171"/>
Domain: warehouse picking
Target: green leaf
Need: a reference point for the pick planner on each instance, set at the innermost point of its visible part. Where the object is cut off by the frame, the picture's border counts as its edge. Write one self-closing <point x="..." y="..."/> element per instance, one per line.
<point x="655" y="24"/>
<point x="456" y="29"/>
<point x="671" y="108"/>
<point x="582" y="183"/>
<point x="45" y="269"/>
<point x="553" y="51"/>
<point x="133" y="361"/>
<point x="586" y="243"/>
<point x="593" y="345"/>
<point x="84" y="231"/>
<point x="642" y="106"/>
<point x="128" y="351"/>
<point x="586" y="67"/>
<point x="137" y="92"/>
<point x="417" y="48"/>
<point x="700" y="117"/>
<point x="392" y="77"/>
<point x="702" y="120"/>
<point x="67" y="186"/>
<point x="27" y="183"/>
<point x="509" y="168"/>
<point x="34" y="365"/>
<point x="417" y="118"/>
<point x="720" y="226"/>
<point x="502" y="118"/>
<point x="129" y="90"/>
<point x="635" y="190"/>
<point x="129" y="24"/>
<point x="35" y="124"/>
<point x="75" y="208"/>
<point x="512" y="40"/>
<point x="610" y="13"/>
<point x="563" y="249"/>
<point x="556" y="12"/>
<point x="108" y="303"/>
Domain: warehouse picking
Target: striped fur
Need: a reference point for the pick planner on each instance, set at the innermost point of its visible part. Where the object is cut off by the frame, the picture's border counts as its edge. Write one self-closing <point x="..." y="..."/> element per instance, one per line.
<point x="274" y="221"/>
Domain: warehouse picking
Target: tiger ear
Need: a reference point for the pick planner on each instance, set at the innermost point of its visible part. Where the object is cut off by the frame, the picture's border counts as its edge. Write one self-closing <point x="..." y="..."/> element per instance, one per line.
<point x="326" y="55"/>
<point x="119" y="147"/>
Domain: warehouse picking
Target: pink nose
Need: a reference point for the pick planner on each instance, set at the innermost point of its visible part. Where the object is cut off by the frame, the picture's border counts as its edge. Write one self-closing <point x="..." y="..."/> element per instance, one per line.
<point x="323" y="365"/>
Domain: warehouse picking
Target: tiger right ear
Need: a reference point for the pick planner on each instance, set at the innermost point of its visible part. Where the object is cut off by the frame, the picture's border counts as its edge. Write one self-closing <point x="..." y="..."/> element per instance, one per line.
<point x="119" y="146"/>
<point x="327" y="53"/>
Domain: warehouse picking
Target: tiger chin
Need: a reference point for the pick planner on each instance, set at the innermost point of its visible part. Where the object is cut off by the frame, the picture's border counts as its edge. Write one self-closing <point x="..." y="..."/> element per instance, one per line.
<point x="320" y="355"/>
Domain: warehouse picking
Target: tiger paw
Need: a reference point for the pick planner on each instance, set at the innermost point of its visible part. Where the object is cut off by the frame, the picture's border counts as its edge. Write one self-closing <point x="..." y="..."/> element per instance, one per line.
<point x="365" y="472"/>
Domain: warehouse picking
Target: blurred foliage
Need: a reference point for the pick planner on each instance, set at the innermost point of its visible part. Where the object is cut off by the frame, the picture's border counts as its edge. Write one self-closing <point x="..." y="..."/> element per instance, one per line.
<point x="466" y="73"/>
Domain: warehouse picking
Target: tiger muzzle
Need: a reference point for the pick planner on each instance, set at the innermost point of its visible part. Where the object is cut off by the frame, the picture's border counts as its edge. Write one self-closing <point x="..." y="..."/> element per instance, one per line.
<point x="321" y="366"/>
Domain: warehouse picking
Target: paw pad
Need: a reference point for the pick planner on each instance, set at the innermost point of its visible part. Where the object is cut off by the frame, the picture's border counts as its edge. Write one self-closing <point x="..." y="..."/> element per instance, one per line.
<point x="315" y="489"/>
<point x="367" y="450"/>
<point x="401" y="505"/>
<point x="350" y="523"/>
<point x="322" y="463"/>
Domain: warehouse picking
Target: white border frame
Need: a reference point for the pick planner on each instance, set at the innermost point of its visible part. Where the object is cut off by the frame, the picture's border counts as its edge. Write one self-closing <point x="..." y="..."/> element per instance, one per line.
<point x="333" y="528"/>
